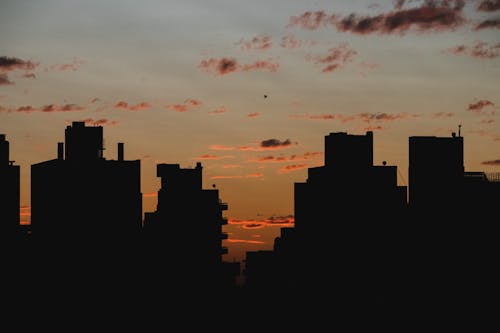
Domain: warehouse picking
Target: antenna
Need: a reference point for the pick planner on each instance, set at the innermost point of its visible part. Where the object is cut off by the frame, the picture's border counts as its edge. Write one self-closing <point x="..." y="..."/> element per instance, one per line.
<point x="459" y="128"/>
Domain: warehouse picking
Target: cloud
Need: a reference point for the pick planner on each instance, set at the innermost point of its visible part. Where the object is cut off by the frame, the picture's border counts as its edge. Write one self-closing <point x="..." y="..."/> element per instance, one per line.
<point x="363" y="117"/>
<point x="72" y="66"/>
<point x="336" y="58"/>
<point x="272" y="221"/>
<point x="245" y="241"/>
<point x="487" y="121"/>
<point x="214" y="157"/>
<point x="225" y="66"/>
<point x="219" y="110"/>
<point x="100" y="122"/>
<point x="253" y="115"/>
<point x="150" y="195"/>
<point x="432" y="15"/>
<point x="29" y="75"/>
<point x="492" y="162"/>
<point x="284" y="159"/>
<point x="4" y="80"/>
<point x="488" y="5"/>
<point x="313" y="20"/>
<point x="187" y="105"/>
<point x="479" y="107"/>
<point x="45" y="108"/>
<point x="373" y="128"/>
<point x="231" y="166"/>
<point x="10" y="64"/>
<point x="221" y="147"/>
<point x="275" y="143"/>
<point x="291" y="42"/>
<point x="292" y="168"/>
<point x="442" y="115"/>
<point x="251" y="175"/>
<point x="480" y="50"/>
<point x="262" y="42"/>
<point x="490" y="23"/>
<point x="137" y="107"/>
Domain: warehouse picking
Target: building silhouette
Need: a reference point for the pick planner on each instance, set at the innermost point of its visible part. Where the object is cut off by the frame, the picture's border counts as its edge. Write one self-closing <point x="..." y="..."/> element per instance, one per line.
<point x="344" y="213"/>
<point x="186" y="230"/>
<point x="9" y="192"/>
<point x="81" y="196"/>
<point x="453" y="241"/>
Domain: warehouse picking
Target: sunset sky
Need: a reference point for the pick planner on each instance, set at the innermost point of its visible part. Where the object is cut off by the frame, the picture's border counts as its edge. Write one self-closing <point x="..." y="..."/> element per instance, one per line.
<point x="248" y="88"/>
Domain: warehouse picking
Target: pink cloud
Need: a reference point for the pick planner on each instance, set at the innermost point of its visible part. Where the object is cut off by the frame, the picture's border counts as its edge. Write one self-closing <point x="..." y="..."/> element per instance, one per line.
<point x="251" y="175"/>
<point x="225" y="66"/>
<point x="245" y="241"/>
<point x="219" y="110"/>
<point x="100" y="122"/>
<point x="292" y="168"/>
<point x="125" y="106"/>
<point x="479" y="106"/>
<point x="72" y="66"/>
<point x="442" y="115"/>
<point x="253" y="115"/>
<point x="46" y="108"/>
<point x="221" y="147"/>
<point x="262" y="42"/>
<point x="336" y="58"/>
<point x="4" y="80"/>
<point x="187" y="105"/>
<point x="214" y="157"/>
<point x="481" y="50"/>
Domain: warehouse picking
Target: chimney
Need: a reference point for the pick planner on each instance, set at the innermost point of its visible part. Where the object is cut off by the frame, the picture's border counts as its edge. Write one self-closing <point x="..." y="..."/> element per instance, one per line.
<point x="120" y="151"/>
<point x="60" y="150"/>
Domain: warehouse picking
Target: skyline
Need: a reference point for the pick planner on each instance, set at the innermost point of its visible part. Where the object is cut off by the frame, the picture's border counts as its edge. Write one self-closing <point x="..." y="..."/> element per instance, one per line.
<point x="249" y="92"/>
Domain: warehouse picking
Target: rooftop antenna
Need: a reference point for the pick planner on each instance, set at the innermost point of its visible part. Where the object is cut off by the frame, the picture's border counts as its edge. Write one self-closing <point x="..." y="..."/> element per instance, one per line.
<point x="459" y="128"/>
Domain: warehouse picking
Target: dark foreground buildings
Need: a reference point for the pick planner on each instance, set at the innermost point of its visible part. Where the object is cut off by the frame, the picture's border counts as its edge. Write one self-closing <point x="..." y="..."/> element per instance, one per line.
<point x="82" y="197"/>
<point x="9" y="193"/>
<point x="186" y="229"/>
<point x="357" y="241"/>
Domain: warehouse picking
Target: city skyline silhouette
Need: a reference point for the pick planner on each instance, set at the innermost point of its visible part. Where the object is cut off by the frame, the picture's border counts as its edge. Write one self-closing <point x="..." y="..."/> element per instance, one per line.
<point x="349" y="214"/>
<point x="261" y="125"/>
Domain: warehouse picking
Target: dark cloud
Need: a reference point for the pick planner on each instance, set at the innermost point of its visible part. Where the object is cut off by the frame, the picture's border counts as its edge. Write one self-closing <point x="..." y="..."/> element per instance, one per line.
<point x="490" y="23"/>
<point x="292" y="168"/>
<point x="364" y="117"/>
<point x="261" y="43"/>
<point x="270" y="143"/>
<point x="225" y="66"/>
<point x="29" y="76"/>
<point x="479" y="105"/>
<point x="488" y="5"/>
<point x="4" y="80"/>
<point x="11" y="63"/>
<point x="100" y="122"/>
<point x="46" y="108"/>
<point x="493" y="162"/>
<point x="432" y="15"/>
<point x="124" y="105"/>
<point x="336" y="58"/>
<point x="481" y="50"/>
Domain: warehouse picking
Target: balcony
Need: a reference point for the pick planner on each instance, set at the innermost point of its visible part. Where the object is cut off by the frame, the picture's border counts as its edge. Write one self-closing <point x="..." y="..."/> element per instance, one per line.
<point x="224" y="221"/>
<point x="223" y="250"/>
<point x="223" y="205"/>
<point x="223" y="235"/>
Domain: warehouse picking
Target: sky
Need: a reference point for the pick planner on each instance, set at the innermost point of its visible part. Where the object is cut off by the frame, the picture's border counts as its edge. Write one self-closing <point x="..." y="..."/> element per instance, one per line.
<point x="248" y="88"/>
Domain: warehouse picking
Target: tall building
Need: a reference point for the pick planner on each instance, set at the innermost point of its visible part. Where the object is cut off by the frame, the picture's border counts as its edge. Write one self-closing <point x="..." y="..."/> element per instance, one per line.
<point x="344" y="214"/>
<point x="82" y="196"/>
<point x="436" y="170"/>
<point x="185" y="232"/>
<point x="9" y="192"/>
